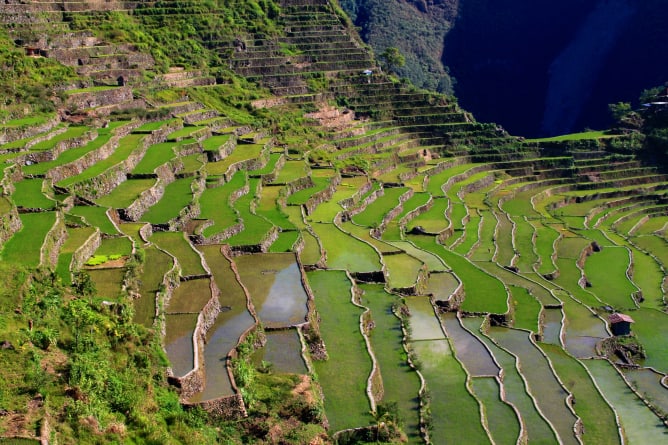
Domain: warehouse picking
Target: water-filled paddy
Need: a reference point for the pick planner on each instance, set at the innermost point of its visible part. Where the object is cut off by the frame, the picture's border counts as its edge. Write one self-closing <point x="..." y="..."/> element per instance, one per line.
<point x="648" y="383"/>
<point x="275" y="285"/>
<point x="550" y="396"/>
<point x="441" y="285"/>
<point x="347" y="405"/>
<point x="597" y="415"/>
<point x="515" y="389"/>
<point x="346" y="252"/>
<point x="400" y="383"/>
<point x="283" y="352"/>
<point x="179" y="342"/>
<point x="157" y="265"/>
<point x="224" y="335"/>
<point x="640" y="425"/>
<point x="552" y="319"/>
<point x="402" y="270"/>
<point x="501" y="417"/>
<point x="469" y="350"/>
<point x="450" y="400"/>
<point x="423" y="321"/>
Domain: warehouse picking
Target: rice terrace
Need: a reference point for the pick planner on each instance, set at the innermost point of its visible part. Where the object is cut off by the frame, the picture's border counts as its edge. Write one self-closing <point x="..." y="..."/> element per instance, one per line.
<point x="229" y="222"/>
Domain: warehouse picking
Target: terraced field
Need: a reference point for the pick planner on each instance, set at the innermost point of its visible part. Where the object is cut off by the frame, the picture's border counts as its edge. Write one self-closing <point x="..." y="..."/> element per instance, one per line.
<point x="410" y="260"/>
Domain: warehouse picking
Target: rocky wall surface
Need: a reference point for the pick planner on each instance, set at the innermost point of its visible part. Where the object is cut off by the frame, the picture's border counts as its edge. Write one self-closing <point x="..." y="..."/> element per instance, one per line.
<point x="54" y="239"/>
<point x="74" y="168"/>
<point x="417" y="211"/>
<point x="93" y="99"/>
<point x="104" y="183"/>
<point x="362" y="205"/>
<point x="10" y="223"/>
<point x="145" y="200"/>
<point x="223" y="151"/>
<point x="11" y="174"/>
<point x="145" y="232"/>
<point x="353" y="200"/>
<point x="249" y="164"/>
<point x="194" y="382"/>
<point x="225" y="408"/>
<point x="86" y="250"/>
<point x="36" y="140"/>
<point x="394" y="212"/>
<point x="23" y="132"/>
<point x="50" y="155"/>
<point x="324" y="195"/>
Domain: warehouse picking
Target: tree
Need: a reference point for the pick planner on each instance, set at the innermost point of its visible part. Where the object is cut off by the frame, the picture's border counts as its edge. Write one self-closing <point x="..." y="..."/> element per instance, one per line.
<point x="619" y="110"/>
<point x="393" y="59"/>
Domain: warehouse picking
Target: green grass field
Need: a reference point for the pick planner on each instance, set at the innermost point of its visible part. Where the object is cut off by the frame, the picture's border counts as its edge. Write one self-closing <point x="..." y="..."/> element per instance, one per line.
<point x="126" y="146"/>
<point x="177" y="196"/>
<point x="28" y="193"/>
<point x="347" y="405"/>
<point x="96" y="217"/>
<point x="24" y="247"/>
<point x="126" y="193"/>
<point x="176" y="244"/>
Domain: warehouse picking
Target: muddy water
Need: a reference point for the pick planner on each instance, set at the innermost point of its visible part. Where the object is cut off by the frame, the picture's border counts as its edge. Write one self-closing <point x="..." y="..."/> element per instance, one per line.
<point x="552" y="326"/>
<point x="648" y="383"/>
<point x="469" y="350"/>
<point x="640" y="425"/>
<point x="549" y="395"/>
<point x="224" y="335"/>
<point x="441" y="285"/>
<point x="423" y="322"/>
<point x="179" y="342"/>
<point x="283" y="351"/>
<point x="275" y="286"/>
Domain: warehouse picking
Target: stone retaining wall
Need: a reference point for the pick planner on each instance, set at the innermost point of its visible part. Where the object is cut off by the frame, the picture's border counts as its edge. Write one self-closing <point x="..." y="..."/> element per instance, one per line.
<point x="27" y="131"/>
<point x="74" y="168"/>
<point x="11" y="174"/>
<point x="86" y="250"/>
<point x="93" y="99"/>
<point x="52" y="243"/>
<point x="145" y="200"/>
<point x="226" y="408"/>
<point x="194" y="381"/>
<point x="111" y="178"/>
<point x="393" y="213"/>
<point x="10" y="223"/>
<point x="362" y="205"/>
<point x="223" y="151"/>
<point x="322" y="196"/>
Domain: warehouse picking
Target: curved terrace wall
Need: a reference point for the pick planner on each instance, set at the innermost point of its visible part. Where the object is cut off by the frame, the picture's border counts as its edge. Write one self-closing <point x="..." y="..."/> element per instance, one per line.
<point x="60" y="172"/>
<point x="27" y="131"/>
<point x="86" y="251"/>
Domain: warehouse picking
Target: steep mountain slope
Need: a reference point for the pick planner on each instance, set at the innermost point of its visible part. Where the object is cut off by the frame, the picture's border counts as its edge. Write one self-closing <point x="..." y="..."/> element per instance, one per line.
<point x="537" y="68"/>
<point x="416" y="27"/>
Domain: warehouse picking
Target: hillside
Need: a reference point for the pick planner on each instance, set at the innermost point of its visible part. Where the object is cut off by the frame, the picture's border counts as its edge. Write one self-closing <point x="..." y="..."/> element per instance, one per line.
<point x="221" y="222"/>
<point x="558" y="63"/>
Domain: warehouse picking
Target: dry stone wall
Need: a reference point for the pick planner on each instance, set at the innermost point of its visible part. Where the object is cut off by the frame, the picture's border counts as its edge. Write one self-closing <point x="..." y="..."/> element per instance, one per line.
<point x="74" y="168"/>
<point x="23" y="132"/>
<point x="52" y="243"/>
<point x="86" y="250"/>
<point x="93" y="99"/>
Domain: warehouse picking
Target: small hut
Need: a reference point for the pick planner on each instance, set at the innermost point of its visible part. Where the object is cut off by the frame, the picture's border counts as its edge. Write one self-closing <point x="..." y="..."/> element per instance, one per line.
<point x="620" y="324"/>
